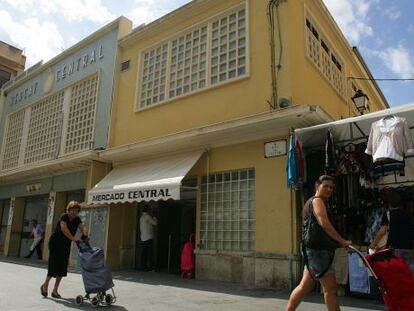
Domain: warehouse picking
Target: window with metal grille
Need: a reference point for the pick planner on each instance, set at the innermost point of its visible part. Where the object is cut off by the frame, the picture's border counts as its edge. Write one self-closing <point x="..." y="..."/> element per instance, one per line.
<point x="188" y="71"/>
<point x="228" y="211"/>
<point x="209" y="54"/>
<point x="154" y="75"/>
<point x="228" y="47"/>
<point x="81" y="118"/>
<point x="322" y="56"/>
<point x="13" y="140"/>
<point x="43" y="137"/>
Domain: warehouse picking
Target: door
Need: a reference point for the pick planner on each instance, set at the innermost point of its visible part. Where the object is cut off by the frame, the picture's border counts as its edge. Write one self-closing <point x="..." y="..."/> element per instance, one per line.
<point x="35" y="208"/>
<point x="3" y="228"/>
<point x="176" y="223"/>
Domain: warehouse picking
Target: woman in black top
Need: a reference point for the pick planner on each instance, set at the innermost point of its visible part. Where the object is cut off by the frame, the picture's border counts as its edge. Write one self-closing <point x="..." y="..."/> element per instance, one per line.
<point x="59" y="246"/>
<point x="397" y="222"/>
<point x="319" y="261"/>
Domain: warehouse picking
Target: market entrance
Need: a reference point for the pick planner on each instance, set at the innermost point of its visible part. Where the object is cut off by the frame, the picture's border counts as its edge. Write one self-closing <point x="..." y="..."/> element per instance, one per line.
<point x="175" y="223"/>
<point x="35" y="208"/>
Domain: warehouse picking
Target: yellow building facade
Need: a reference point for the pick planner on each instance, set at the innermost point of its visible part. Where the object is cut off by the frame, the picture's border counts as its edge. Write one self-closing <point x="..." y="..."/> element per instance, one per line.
<point x="12" y="62"/>
<point x="216" y="86"/>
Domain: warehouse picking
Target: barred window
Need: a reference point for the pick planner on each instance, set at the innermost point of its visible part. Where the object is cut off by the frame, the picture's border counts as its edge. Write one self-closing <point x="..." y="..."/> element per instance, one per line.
<point x="81" y="119"/>
<point x="13" y="140"/>
<point x="228" y="47"/>
<point x="154" y="75"/>
<point x="228" y="212"/>
<point x="208" y="54"/>
<point x="188" y="71"/>
<point x="322" y="56"/>
<point x="44" y="129"/>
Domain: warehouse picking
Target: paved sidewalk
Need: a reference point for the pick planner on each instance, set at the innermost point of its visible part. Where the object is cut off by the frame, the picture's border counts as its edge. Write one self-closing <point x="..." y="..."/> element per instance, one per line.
<point x="21" y="279"/>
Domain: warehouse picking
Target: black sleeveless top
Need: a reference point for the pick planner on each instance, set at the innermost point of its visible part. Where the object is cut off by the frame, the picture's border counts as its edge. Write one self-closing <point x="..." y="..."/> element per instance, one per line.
<point x="58" y="236"/>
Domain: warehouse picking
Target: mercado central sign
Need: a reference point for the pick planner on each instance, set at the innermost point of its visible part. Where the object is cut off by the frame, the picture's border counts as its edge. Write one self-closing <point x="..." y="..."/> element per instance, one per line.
<point x="32" y="89"/>
<point x="133" y="196"/>
<point x="79" y="63"/>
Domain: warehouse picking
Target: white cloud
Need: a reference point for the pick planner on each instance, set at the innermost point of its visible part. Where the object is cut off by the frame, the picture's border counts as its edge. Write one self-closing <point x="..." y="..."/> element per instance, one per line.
<point x="393" y="13"/>
<point x="73" y="10"/>
<point x="148" y="10"/>
<point x="352" y="17"/>
<point x="40" y="40"/>
<point x="399" y="60"/>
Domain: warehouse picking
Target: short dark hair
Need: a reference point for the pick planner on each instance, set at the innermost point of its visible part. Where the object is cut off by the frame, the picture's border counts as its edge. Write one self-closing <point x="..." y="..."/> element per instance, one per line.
<point x="323" y="178"/>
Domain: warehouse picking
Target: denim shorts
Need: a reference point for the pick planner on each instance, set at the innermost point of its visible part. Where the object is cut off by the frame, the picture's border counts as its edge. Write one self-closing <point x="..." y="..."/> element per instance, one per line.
<point x="320" y="262"/>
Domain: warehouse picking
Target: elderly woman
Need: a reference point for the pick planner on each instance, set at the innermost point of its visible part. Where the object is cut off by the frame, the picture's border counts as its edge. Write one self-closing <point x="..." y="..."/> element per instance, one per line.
<point x="319" y="261"/>
<point x="59" y="246"/>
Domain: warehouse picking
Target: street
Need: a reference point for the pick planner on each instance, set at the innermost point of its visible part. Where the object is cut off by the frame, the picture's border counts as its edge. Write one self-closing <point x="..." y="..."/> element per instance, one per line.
<point x="21" y="279"/>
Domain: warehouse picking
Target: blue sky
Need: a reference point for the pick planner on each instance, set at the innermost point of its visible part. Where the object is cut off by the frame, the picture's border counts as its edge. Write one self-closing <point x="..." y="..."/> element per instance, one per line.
<point x="383" y="30"/>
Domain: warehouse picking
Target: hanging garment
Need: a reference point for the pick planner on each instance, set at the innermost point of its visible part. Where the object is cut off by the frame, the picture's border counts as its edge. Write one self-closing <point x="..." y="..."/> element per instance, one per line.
<point x="373" y="224"/>
<point x="390" y="138"/>
<point x="300" y="161"/>
<point x="292" y="163"/>
<point x="341" y="266"/>
<point x="330" y="160"/>
<point x="358" y="275"/>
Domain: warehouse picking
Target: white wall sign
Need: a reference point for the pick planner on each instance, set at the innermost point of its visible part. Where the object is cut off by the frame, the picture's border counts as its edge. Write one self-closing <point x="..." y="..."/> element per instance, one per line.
<point x="275" y="148"/>
<point x="33" y="187"/>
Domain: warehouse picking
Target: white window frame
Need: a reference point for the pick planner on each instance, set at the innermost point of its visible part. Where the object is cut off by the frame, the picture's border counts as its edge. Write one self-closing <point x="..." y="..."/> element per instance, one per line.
<point x="228" y="214"/>
<point x="243" y="5"/>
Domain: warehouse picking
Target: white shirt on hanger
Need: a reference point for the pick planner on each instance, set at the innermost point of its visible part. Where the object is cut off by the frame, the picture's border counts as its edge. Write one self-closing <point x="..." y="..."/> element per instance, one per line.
<point x="390" y="138"/>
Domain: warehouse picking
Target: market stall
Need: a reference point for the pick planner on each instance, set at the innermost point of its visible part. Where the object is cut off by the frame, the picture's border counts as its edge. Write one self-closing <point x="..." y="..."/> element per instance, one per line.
<point x="365" y="154"/>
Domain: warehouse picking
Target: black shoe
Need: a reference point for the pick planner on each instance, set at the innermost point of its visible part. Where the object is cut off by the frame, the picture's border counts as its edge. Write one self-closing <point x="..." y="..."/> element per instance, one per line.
<point x="44" y="293"/>
<point x="28" y="256"/>
<point x="56" y="295"/>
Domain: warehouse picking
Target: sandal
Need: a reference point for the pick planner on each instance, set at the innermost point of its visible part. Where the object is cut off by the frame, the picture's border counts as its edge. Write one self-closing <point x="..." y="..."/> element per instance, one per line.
<point x="44" y="293"/>
<point x="56" y="295"/>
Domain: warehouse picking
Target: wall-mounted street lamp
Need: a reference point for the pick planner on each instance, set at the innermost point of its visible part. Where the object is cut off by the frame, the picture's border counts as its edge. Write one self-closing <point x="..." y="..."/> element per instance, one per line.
<point x="361" y="101"/>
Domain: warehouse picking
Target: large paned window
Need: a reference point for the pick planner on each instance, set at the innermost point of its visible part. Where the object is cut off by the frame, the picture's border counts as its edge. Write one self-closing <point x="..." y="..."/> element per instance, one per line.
<point x="80" y="129"/>
<point x="228" y="47"/>
<point x="59" y="124"/>
<point x="211" y="53"/>
<point x="320" y="53"/>
<point x="13" y="140"/>
<point x="188" y="71"/>
<point x="44" y="129"/>
<point x="228" y="211"/>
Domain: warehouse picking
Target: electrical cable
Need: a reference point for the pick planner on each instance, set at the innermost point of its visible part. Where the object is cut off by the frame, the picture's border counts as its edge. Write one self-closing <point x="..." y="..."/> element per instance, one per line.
<point x="272" y="5"/>
<point x="380" y="79"/>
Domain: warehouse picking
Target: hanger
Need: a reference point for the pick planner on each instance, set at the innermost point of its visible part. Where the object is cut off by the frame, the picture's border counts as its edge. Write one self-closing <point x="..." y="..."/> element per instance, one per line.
<point x="388" y="117"/>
